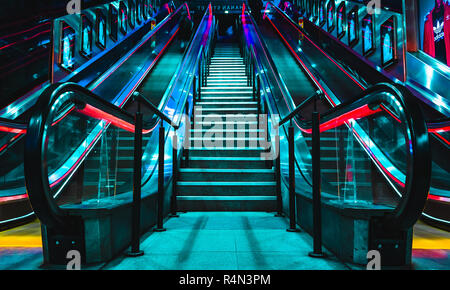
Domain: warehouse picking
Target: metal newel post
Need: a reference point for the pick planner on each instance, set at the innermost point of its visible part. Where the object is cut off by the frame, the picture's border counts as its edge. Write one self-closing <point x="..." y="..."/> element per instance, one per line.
<point x="317" y="215"/>
<point x="136" y="213"/>
<point x="199" y="79"/>
<point x="292" y="213"/>
<point x="278" y="176"/>
<point x="173" y="201"/>
<point x="194" y="89"/>
<point x="159" y="226"/>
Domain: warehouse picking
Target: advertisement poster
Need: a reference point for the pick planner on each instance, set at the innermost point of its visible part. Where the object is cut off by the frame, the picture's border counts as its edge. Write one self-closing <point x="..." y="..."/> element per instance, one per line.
<point x="86" y="36"/>
<point x="353" y="27"/>
<point x="101" y="30"/>
<point x="388" y="42"/>
<point x="330" y="15"/>
<point x="322" y="18"/>
<point x="368" y="31"/>
<point x="67" y="47"/>
<point x="113" y="22"/>
<point x="340" y="20"/>
<point x="123" y="18"/>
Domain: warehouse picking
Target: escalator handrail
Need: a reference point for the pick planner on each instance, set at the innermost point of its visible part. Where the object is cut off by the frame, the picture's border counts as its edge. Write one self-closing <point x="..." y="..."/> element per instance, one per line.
<point x="297" y="110"/>
<point x="139" y="97"/>
<point x="418" y="175"/>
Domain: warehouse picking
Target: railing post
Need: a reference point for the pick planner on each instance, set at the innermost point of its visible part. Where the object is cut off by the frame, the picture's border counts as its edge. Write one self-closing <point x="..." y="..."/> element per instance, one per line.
<point x="278" y="175"/>
<point x="187" y="135"/>
<point x="136" y="212"/>
<point x="317" y="214"/>
<point x="199" y="80"/>
<point x="159" y="225"/>
<point x="173" y="201"/>
<point x="292" y="211"/>
<point x="194" y="89"/>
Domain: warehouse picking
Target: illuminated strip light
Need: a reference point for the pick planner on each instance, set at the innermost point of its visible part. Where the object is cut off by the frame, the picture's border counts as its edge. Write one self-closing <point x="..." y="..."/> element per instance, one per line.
<point x="381" y="166"/>
<point x="439" y="130"/>
<point x="63" y="116"/>
<point x="96" y="113"/>
<point x="17" y="218"/>
<point x="187" y="8"/>
<point x="436" y="219"/>
<point x="438" y="198"/>
<point x="358" y="113"/>
<point x="12" y="130"/>
<point x="390" y="113"/>
<point x="13" y="198"/>
<point x="25" y="31"/>
<point x="10" y="141"/>
<point x="442" y="138"/>
<point x="23" y="40"/>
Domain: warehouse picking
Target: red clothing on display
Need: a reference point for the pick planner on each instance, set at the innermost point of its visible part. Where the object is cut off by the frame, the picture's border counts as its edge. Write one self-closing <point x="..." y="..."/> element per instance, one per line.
<point x="428" y="33"/>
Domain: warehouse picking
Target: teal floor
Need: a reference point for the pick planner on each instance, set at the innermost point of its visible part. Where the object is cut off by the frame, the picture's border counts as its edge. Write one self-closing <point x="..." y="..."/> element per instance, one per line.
<point x="226" y="241"/>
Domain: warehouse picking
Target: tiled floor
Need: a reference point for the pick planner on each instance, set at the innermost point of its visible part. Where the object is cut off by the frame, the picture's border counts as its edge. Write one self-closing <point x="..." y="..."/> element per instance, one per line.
<point x="226" y="241"/>
<point x="221" y="240"/>
<point x="431" y="248"/>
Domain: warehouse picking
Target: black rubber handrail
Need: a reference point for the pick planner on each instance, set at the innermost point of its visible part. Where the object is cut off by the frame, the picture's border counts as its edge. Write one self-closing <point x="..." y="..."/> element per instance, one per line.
<point x="137" y="96"/>
<point x="297" y="110"/>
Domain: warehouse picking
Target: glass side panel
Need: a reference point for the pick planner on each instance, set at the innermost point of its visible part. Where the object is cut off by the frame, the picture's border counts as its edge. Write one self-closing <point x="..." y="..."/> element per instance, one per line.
<point x="90" y="162"/>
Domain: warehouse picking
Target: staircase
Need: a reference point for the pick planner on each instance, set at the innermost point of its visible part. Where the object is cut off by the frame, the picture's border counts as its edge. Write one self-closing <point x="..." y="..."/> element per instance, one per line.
<point x="224" y="170"/>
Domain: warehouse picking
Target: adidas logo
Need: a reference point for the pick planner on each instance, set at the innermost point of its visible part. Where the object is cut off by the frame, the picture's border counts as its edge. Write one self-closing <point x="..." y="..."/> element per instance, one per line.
<point x="439" y="27"/>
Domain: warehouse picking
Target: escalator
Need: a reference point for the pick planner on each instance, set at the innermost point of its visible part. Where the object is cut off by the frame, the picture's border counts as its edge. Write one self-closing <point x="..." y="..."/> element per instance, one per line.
<point x="149" y="64"/>
<point x="90" y="207"/>
<point x="366" y="166"/>
<point x="297" y="57"/>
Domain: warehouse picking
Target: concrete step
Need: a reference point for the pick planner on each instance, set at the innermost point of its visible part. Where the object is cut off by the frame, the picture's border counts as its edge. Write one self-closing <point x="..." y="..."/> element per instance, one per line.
<point x="226" y="104"/>
<point x="225" y="152"/>
<point x="228" y="188"/>
<point x="229" y="132"/>
<point x="229" y="162"/>
<point x="227" y="203"/>
<point x="226" y="99"/>
<point x="212" y="174"/>
<point x="221" y="111"/>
